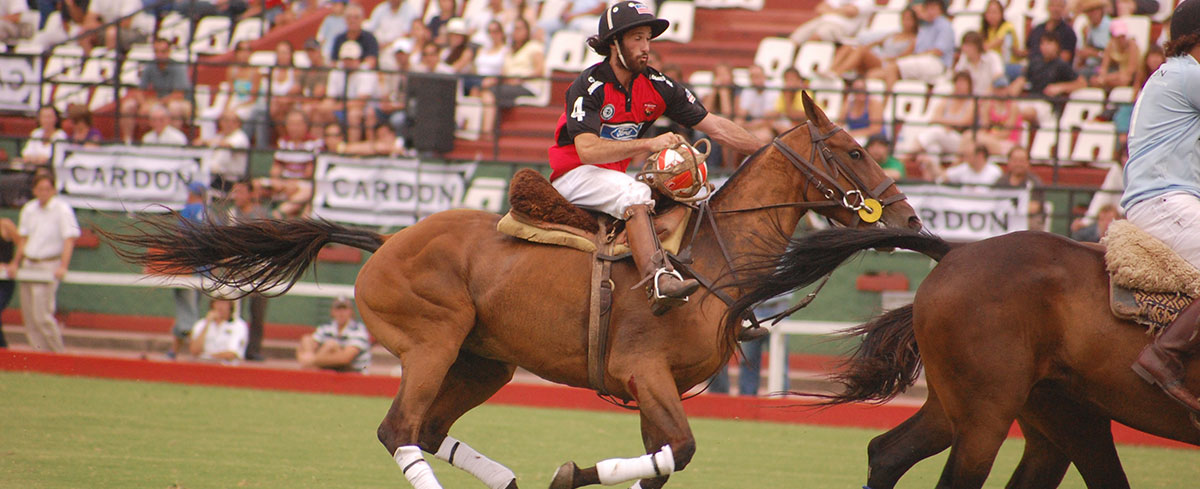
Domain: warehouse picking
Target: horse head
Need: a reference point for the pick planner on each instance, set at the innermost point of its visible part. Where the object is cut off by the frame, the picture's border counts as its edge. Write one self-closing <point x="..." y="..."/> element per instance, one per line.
<point x="839" y="170"/>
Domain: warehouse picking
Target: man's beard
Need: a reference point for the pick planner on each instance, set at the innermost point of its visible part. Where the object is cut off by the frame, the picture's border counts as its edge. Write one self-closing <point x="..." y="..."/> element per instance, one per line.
<point x="633" y="63"/>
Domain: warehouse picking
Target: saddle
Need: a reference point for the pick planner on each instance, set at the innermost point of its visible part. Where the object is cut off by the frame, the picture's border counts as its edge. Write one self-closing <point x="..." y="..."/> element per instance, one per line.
<point x="538" y="213"/>
<point x="1148" y="282"/>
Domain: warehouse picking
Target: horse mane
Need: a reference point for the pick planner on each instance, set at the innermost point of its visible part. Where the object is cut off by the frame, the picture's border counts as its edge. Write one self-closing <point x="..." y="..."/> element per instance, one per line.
<point x="750" y="159"/>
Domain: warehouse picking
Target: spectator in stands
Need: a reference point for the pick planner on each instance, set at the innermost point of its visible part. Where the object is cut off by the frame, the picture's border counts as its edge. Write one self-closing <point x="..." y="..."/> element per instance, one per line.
<point x="312" y="81"/>
<point x="71" y="15"/>
<point x="228" y="160"/>
<point x="47" y="231"/>
<point x="187" y="299"/>
<point x="788" y="111"/>
<point x="368" y="45"/>
<point x="953" y="117"/>
<point x="246" y="207"/>
<point x="161" y="131"/>
<point x="353" y="94"/>
<point x="527" y="61"/>
<point x="1096" y="230"/>
<point x="999" y="36"/>
<point x="1120" y="60"/>
<point x="879" y="148"/>
<point x="459" y="54"/>
<point x="446" y="10"/>
<point x="82" y="132"/>
<point x="1047" y="75"/>
<point x="1000" y="120"/>
<point x="127" y="122"/>
<point x="1109" y="193"/>
<point x="162" y="80"/>
<point x="245" y="86"/>
<point x="861" y="59"/>
<point x="973" y="167"/>
<point x="489" y="59"/>
<point x="837" y="21"/>
<point x="220" y="336"/>
<point x="862" y="113"/>
<point x="11" y="28"/>
<point x="332" y="26"/>
<point x="383" y="142"/>
<point x="391" y="19"/>
<point x="1095" y="36"/>
<point x="754" y="104"/>
<point x="579" y="15"/>
<point x="39" y="149"/>
<point x="431" y="60"/>
<point x="283" y="85"/>
<point x="985" y="67"/>
<point x="341" y="345"/>
<point x="721" y="99"/>
<point x="1058" y="24"/>
<point x="393" y="105"/>
<point x="131" y="29"/>
<point x="1038" y="220"/>
<point x="933" y="49"/>
<point x="332" y="139"/>
<point x="1018" y="173"/>
<point x="8" y="246"/>
<point x="478" y="21"/>
<point x="295" y="162"/>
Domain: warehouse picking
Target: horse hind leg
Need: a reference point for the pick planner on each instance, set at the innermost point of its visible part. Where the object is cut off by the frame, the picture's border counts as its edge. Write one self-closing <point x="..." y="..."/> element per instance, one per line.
<point x="663" y="420"/>
<point x="472" y="380"/>
<point x="1058" y="431"/>
<point x="892" y="454"/>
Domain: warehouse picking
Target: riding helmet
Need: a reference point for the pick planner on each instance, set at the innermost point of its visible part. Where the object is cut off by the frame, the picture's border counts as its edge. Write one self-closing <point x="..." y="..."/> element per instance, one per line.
<point x="626" y="15"/>
<point x="1186" y="19"/>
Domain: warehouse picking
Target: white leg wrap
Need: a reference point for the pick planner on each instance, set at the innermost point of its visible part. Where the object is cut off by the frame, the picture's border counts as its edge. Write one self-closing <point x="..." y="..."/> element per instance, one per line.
<point x="636" y="485"/>
<point x="618" y="470"/>
<point x="461" y="455"/>
<point x="416" y="469"/>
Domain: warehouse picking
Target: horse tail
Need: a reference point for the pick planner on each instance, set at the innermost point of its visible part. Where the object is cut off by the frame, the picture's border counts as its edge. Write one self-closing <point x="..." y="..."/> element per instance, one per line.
<point x="814" y="255"/>
<point x="884" y="365"/>
<point x="254" y="256"/>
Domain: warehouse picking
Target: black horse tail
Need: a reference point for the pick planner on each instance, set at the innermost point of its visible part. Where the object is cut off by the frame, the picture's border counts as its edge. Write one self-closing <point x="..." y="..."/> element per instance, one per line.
<point x="884" y="365"/>
<point x="263" y="255"/>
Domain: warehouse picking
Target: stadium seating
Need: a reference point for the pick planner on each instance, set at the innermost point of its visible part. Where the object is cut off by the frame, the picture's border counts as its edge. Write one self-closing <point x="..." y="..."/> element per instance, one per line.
<point x="775" y="54"/>
<point x="682" y="16"/>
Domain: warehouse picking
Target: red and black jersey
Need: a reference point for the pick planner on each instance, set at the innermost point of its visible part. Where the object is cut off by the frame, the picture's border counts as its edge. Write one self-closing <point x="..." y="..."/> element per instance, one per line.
<point x="598" y="104"/>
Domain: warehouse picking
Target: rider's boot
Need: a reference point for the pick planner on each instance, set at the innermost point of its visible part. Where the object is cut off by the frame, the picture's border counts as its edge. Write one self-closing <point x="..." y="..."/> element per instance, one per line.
<point x="1161" y="362"/>
<point x="665" y="287"/>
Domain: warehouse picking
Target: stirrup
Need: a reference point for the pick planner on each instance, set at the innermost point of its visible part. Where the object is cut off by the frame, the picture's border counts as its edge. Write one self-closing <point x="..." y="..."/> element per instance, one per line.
<point x="654" y="292"/>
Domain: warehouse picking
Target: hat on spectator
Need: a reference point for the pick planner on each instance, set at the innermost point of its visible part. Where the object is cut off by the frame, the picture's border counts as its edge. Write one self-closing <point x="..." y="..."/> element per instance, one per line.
<point x="197" y="188"/>
<point x="402" y="44"/>
<point x="456" y="26"/>
<point x="1118" y="28"/>
<point x="312" y="44"/>
<point x="341" y="301"/>
<point x="1186" y="19"/>
<point x="350" y="50"/>
<point x="877" y="138"/>
<point x="1085" y="5"/>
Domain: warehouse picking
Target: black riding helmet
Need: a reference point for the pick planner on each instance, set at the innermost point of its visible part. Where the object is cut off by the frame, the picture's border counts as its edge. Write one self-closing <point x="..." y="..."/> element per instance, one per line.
<point x="626" y="15"/>
<point x="1186" y="19"/>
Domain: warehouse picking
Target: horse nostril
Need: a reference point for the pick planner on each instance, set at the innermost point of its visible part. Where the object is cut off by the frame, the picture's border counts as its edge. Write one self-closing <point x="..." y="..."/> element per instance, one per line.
<point x="914" y="223"/>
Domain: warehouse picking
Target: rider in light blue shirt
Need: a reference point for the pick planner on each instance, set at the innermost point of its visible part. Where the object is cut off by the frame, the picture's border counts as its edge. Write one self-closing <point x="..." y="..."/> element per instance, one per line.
<point x="1162" y="189"/>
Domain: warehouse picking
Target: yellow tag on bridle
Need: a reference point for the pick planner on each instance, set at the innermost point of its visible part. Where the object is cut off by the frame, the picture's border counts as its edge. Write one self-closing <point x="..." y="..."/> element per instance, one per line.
<point x="871" y="210"/>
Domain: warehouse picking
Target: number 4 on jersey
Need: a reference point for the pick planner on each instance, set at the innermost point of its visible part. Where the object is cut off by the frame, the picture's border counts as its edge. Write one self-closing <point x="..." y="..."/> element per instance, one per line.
<point x="577" y="109"/>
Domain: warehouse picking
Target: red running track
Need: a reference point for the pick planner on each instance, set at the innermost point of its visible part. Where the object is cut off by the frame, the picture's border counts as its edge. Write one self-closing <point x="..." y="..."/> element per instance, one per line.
<point x="706" y="406"/>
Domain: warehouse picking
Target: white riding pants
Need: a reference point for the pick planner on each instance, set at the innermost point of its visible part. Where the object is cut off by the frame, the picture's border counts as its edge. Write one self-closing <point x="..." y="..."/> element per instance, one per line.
<point x="603" y="190"/>
<point x="1174" y="218"/>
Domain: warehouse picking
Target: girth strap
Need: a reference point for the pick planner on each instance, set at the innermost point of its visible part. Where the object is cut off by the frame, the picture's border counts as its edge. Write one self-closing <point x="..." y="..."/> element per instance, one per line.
<point x="599" y="313"/>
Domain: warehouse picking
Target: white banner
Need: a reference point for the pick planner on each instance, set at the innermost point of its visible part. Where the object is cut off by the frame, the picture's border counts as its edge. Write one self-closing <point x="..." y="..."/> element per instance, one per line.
<point x="387" y="191"/>
<point x="127" y="178"/>
<point x="970" y="213"/>
<point x="18" y="83"/>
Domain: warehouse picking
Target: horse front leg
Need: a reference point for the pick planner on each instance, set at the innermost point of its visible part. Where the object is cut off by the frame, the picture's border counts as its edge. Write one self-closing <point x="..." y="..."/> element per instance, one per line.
<point x="669" y="439"/>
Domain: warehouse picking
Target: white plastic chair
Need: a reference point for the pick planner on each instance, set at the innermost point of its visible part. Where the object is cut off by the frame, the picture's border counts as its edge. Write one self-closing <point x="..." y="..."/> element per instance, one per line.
<point x="682" y="16"/>
<point x="468" y="120"/>
<point x="1041" y="148"/>
<point x="211" y="35"/>
<point x="247" y="29"/>
<point x="1139" y="29"/>
<point x="1097" y="142"/>
<point x="883" y="23"/>
<point x="829" y="95"/>
<point x="814" y="56"/>
<point x="909" y="105"/>
<point x="964" y="23"/>
<point x="774" y="55"/>
<point x="566" y="51"/>
<point x="701" y="82"/>
<point x="1120" y="95"/>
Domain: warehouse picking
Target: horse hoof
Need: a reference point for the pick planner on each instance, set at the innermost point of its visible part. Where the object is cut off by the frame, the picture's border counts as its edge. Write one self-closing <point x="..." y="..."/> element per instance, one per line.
<point x="564" y="477"/>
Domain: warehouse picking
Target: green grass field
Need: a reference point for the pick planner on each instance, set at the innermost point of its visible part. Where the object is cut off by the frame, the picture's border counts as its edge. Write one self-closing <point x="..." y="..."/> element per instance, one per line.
<point x="65" y="432"/>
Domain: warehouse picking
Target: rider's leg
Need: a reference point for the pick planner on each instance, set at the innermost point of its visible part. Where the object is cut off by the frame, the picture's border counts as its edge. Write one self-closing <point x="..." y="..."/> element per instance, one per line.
<point x="1161" y="363"/>
<point x="666" y="288"/>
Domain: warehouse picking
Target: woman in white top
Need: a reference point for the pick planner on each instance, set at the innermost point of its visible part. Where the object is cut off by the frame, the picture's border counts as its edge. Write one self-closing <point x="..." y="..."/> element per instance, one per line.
<point x="40" y="146"/>
<point x="225" y="162"/>
<point x="282" y="85"/>
<point x="528" y="60"/>
<point x="953" y="116"/>
<point x="489" y="61"/>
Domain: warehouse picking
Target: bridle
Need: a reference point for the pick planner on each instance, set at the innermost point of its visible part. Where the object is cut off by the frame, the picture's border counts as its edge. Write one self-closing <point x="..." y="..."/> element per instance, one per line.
<point x="821" y="170"/>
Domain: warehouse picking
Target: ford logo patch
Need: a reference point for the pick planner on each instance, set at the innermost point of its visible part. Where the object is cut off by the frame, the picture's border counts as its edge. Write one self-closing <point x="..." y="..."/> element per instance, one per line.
<point x="620" y="132"/>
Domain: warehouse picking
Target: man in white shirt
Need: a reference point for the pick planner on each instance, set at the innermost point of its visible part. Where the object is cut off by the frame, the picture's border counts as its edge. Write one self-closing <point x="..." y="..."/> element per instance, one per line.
<point x="837" y="21"/>
<point x="753" y="104"/>
<point x="975" y="169"/>
<point x="161" y="131"/>
<point x="354" y="91"/>
<point x="391" y="19"/>
<point x="220" y="336"/>
<point x="46" y="239"/>
<point x="11" y="28"/>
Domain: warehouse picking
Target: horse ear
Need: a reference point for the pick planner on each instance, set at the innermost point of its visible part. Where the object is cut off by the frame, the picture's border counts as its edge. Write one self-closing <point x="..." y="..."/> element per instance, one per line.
<point x="814" y="112"/>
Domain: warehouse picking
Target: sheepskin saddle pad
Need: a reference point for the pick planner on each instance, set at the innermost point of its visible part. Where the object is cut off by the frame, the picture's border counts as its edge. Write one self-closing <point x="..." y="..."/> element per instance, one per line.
<point x="538" y="213"/>
<point x="1149" y="282"/>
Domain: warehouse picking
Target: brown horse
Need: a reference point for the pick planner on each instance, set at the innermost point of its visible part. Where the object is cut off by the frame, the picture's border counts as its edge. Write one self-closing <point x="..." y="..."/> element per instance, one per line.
<point x="1012" y="327"/>
<point x="463" y="305"/>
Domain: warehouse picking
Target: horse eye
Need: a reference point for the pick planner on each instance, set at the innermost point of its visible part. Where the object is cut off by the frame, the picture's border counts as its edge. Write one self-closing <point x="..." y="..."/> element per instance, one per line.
<point x="856" y="154"/>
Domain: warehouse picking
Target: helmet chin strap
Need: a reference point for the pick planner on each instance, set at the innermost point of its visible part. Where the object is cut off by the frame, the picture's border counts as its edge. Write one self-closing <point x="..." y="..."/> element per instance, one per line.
<point x="621" y="56"/>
